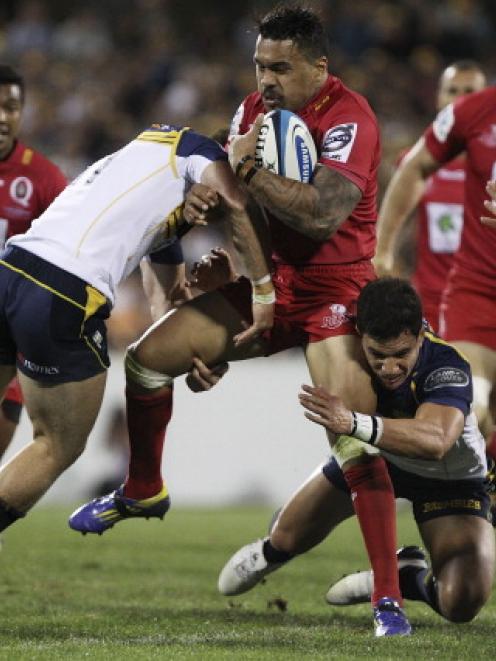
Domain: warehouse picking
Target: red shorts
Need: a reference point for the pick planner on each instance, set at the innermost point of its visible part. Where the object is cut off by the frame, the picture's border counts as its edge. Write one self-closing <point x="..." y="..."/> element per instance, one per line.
<point x="13" y="392"/>
<point x="314" y="302"/>
<point x="430" y="310"/>
<point x="468" y="311"/>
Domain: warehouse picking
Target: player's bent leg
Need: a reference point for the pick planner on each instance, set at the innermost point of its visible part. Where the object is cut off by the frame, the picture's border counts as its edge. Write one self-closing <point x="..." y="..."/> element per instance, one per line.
<point x="462" y="553"/>
<point x="62" y="418"/>
<point x="203" y="327"/>
<point x="310" y="515"/>
<point x="339" y="365"/>
<point x="483" y="364"/>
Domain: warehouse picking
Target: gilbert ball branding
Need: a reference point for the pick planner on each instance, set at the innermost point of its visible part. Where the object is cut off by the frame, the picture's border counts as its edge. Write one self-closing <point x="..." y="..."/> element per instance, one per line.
<point x="286" y="147"/>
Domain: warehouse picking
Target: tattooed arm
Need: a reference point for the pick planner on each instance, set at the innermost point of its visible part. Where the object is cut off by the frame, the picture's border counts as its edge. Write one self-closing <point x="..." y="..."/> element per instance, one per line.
<point x="315" y="210"/>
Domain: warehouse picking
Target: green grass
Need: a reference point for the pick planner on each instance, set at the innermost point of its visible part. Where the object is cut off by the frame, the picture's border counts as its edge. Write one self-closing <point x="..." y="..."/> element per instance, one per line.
<point x="147" y="590"/>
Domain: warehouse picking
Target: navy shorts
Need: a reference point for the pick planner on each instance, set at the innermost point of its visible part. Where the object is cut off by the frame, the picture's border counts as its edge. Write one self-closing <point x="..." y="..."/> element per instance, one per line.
<point x="52" y="323"/>
<point x="430" y="498"/>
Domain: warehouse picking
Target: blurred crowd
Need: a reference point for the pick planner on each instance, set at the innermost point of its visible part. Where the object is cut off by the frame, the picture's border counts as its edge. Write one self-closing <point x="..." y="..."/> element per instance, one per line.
<point x="97" y="72"/>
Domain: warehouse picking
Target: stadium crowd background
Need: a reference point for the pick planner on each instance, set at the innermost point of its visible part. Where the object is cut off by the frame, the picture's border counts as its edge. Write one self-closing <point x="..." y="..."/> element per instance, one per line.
<point x="97" y="72"/>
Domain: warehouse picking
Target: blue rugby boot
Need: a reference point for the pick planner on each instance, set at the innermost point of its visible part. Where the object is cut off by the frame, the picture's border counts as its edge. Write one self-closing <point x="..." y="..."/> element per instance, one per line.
<point x="389" y="619"/>
<point x="100" y="514"/>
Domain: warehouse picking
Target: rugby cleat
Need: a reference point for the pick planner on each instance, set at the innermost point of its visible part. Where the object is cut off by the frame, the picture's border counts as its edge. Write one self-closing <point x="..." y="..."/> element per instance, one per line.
<point x="390" y="619"/>
<point x="357" y="588"/>
<point x="245" y="569"/>
<point x="102" y="513"/>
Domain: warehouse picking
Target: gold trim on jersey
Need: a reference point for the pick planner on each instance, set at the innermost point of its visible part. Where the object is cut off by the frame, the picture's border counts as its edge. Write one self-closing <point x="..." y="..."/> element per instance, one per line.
<point x="162" y="168"/>
<point x="171" y="138"/>
<point x="438" y="340"/>
<point x="27" y="156"/>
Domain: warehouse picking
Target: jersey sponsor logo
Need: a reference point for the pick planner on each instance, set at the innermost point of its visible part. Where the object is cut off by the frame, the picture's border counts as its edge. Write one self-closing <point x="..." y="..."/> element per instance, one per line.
<point x="338" y="141"/>
<point x="446" y="376"/>
<point x="337" y="317"/>
<point x="21" y="190"/>
<point x="38" y="369"/>
<point x="443" y="123"/>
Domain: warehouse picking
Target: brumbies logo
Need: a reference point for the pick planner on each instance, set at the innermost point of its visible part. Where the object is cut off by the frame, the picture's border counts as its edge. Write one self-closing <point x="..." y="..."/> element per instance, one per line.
<point x="446" y="376"/>
<point x="338" y="142"/>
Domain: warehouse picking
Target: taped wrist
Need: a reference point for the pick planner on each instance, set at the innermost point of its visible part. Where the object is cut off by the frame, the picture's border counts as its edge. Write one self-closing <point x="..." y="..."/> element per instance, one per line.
<point x="367" y="428"/>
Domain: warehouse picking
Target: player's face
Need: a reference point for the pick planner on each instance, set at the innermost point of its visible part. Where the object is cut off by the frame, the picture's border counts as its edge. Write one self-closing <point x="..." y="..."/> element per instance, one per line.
<point x="285" y="77"/>
<point x="392" y="361"/>
<point x="454" y="84"/>
<point x="10" y="116"/>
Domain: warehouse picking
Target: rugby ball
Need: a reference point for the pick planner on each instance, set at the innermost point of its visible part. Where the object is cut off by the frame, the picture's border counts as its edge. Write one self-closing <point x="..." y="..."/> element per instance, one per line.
<point x="286" y="147"/>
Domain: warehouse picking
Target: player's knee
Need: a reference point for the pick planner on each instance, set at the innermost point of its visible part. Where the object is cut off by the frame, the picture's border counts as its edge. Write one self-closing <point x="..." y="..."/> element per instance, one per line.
<point x="461" y="600"/>
<point x="142" y="376"/>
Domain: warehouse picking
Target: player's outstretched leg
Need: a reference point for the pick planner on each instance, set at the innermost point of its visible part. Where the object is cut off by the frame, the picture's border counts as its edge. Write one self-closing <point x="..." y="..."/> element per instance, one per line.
<point x="102" y="513"/>
<point x="249" y="566"/>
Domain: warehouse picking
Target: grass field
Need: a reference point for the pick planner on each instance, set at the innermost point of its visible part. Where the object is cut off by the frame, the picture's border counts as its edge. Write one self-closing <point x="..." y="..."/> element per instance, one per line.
<point x="147" y="590"/>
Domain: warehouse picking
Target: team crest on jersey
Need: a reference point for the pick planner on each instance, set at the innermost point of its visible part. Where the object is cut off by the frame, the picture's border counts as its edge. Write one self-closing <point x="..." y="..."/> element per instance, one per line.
<point x="488" y="138"/>
<point x="337" y="317"/>
<point x="21" y="190"/>
<point x="338" y="141"/>
<point x="446" y="376"/>
<point x="443" y="123"/>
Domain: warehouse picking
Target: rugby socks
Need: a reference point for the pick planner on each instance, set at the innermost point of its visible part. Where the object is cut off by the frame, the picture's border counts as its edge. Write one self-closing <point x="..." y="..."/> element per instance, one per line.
<point x="147" y="420"/>
<point x="373" y="499"/>
<point x="273" y="555"/>
<point x="8" y="515"/>
<point x="419" y="585"/>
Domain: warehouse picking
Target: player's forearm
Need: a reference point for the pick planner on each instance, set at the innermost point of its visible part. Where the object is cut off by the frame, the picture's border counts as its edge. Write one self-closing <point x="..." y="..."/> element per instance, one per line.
<point x="419" y="439"/>
<point x="250" y="240"/>
<point x="300" y="206"/>
<point x="402" y="196"/>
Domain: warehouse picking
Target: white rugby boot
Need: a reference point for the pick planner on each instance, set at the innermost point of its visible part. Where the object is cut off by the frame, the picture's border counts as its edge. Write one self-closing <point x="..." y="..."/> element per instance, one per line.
<point x="245" y="569"/>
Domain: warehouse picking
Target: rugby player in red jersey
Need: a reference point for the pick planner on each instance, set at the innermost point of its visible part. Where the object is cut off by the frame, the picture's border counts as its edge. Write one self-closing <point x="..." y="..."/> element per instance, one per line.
<point x="29" y="183"/>
<point x="323" y="239"/>
<point x="439" y="214"/>
<point x="468" y="309"/>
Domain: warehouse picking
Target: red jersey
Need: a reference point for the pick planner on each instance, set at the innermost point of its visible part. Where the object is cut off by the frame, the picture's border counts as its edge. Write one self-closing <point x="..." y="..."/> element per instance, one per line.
<point x="29" y="183"/>
<point x="470" y="125"/>
<point x="439" y="227"/>
<point x="346" y="135"/>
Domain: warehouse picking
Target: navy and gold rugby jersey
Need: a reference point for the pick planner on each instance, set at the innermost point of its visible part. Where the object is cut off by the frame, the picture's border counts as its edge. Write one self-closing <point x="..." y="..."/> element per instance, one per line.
<point x="441" y="376"/>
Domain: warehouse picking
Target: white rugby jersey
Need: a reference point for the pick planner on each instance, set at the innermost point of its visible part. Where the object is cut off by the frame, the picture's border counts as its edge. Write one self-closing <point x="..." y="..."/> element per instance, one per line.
<point x="123" y="207"/>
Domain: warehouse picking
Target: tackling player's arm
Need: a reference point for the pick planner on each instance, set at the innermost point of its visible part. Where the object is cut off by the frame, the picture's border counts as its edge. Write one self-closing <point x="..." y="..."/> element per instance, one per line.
<point x="164" y="286"/>
<point x="400" y="199"/>
<point x="315" y="210"/>
<point x="251" y="240"/>
<point x="429" y="435"/>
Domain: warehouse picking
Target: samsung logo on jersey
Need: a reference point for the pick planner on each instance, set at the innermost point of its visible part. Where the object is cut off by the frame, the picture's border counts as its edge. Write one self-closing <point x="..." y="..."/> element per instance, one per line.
<point x="446" y="376"/>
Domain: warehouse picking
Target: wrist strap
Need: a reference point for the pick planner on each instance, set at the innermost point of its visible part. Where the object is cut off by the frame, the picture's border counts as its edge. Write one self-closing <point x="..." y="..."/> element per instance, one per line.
<point x="264" y="299"/>
<point x="261" y="281"/>
<point x="241" y="162"/>
<point x="367" y="428"/>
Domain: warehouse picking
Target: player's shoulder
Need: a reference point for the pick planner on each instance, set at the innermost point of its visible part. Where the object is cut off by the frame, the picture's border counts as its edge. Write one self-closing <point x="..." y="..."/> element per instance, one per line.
<point x="34" y="160"/>
<point x="441" y="364"/>
<point x="345" y="100"/>
<point x="192" y="143"/>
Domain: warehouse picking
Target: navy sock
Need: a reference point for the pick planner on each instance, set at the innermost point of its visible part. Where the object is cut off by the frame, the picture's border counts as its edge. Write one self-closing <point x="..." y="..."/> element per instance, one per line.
<point x="419" y="585"/>
<point x="273" y="555"/>
<point x="8" y="515"/>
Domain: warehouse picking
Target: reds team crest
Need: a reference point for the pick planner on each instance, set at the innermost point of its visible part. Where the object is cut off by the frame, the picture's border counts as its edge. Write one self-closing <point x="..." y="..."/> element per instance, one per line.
<point x="337" y="317"/>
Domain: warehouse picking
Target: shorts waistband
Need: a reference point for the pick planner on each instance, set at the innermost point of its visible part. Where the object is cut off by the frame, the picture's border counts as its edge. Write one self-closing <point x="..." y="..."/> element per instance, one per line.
<point x="46" y="274"/>
<point x="354" y="267"/>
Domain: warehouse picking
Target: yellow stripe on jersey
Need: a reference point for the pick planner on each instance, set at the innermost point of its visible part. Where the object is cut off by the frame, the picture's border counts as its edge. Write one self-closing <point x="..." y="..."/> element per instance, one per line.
<point x="162" y="168"/>
<point x="171" y="138"/>
<point x="27" y="156"/>
<point x="438" y="340"/>
<point x="94" y="301"/>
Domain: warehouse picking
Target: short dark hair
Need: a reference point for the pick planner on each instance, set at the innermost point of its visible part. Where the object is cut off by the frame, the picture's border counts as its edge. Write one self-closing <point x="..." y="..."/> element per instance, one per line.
<point x="300" y="24"/>
<point x="464" y="65"/>
<point x="8" y="76"/>
<point x="388" y="306"/>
